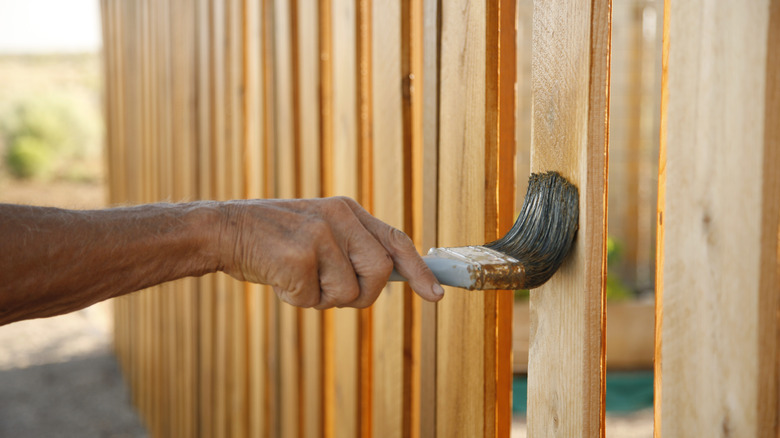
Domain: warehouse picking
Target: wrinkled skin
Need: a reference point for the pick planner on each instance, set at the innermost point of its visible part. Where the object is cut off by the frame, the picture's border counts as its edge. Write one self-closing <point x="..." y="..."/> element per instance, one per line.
<point x="319" y="253"/>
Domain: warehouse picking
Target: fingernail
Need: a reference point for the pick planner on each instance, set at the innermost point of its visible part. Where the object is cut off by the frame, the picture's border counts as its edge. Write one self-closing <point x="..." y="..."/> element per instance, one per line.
<point x="438" y="290"/>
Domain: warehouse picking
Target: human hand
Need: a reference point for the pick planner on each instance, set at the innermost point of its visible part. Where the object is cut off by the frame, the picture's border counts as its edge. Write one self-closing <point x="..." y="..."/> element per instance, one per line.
<point x="319" y="253"/>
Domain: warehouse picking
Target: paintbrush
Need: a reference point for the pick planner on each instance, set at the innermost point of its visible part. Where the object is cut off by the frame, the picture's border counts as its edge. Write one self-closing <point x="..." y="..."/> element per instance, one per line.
<point x="528" y="255"/>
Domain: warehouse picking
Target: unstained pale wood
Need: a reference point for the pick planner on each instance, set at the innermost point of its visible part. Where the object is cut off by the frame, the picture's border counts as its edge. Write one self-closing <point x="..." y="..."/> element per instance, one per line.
<point x="717" y="291"/>
<point x="390" y="365"/>
<point x="460" y="387"/>
<point x="570" y="80"/>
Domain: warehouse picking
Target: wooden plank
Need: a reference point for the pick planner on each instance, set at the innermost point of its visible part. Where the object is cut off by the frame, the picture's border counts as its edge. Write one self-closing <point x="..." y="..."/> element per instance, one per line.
<point x="523" y="99"/>
<point x="308" y="118"/>
<point x="570" y="79"/>
<point x="237" y="418"/>
<point x="390" y="367"/>
<point x="340" y="177"/>
<point x="769" y="280"/>
<point x="184" y="188"/>
<point x="461" y="386"/>
<point x="425" y="193"/>
<point x="167" y="333"/>
<point x="285" y="153"/>
<point x="717" y="222"/>
<point x="365" y="196"/>
<point x="254" y="182"/>
<point x="271" y="305"/>
<point x="326" y="166"/>
<point x="499" y="205"/>
<point x="205" y="334"/>
<point x="219" y="157"/>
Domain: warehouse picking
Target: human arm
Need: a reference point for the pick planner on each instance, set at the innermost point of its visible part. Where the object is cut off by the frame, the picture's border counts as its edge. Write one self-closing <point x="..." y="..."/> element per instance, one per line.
<point x="316" y="253"/>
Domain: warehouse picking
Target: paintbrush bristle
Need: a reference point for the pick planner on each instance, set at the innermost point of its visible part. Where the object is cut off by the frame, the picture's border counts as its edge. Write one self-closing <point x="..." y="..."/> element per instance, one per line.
<point x="545" y="229"/>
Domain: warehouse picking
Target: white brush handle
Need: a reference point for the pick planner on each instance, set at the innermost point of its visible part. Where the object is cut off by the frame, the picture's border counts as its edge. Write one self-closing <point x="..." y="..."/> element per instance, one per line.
<point x="448" y="271"/>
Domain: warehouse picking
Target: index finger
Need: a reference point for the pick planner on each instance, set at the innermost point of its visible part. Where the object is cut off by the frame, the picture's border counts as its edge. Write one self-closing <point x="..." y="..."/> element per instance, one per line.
<point x="407" y="261"/>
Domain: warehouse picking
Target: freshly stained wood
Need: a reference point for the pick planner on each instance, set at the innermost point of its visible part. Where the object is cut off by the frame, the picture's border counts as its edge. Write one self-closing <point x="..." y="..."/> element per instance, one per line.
<point x="570" y="80"/>
<point x="718" y="221"/>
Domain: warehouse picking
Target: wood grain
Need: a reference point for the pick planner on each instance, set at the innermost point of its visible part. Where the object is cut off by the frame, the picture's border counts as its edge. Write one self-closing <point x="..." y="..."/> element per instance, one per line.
<point x="570" y="80"/>
<point x="388" y="171"/>
<point x="461" y="385"/>
<point x="717" y="223"/>
<point x="769" y="281"/>
<point x="425" y="206"/>
<point x="309" y="187"/>
<point x="183" y="136"/>
<point x="340" y="177"/>
<point x="499" y="206"/>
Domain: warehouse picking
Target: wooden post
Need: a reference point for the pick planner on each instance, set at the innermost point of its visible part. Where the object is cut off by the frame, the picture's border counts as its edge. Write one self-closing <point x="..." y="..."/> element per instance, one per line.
<point x="570" y="75"/>
<point x="718" y="221"/>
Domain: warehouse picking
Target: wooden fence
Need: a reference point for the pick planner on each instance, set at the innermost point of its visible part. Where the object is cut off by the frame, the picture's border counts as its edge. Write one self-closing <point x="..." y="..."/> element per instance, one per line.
<point x="410" y="107"/>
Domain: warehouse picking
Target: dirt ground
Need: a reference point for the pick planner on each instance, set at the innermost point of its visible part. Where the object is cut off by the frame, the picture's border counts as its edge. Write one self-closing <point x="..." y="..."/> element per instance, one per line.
<point x="59" y="376"/>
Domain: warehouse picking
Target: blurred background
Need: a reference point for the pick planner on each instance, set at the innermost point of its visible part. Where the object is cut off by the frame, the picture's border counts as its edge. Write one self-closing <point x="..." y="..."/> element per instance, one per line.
<point x="59" y="376"/>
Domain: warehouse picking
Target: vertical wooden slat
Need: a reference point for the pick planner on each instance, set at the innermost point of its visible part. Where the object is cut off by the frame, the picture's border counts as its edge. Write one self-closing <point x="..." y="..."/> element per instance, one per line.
<point x="390" y="367"/>
<point x="309" y="187"/>
<point x="340" y="177"/>
<point x="254" y="187"/>
<point x="235" y="95"/>
<point x="206" y="290"/>
<point x="769" y="281"/>
<point x="499" y="204"/>
<point x="286" y="177"/>
<point x="461" y="385"/>
<point x="219" y="157"/>
<point x="570" y="79"/>
<point x="425" y="174"/>
<point x="167" y="333"/>
<point x="718" y="221"/>
<point x="524" y="9"/>
<point x="365" y="196"/>
<point x="271" y="315"/>
<point x="326" y="172"/>
<point x="184" y="368"/>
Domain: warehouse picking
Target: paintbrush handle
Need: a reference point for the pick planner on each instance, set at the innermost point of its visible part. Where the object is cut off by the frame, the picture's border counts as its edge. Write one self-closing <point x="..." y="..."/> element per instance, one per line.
<point x="474" y="268"/>
<point x="448" y="271"/>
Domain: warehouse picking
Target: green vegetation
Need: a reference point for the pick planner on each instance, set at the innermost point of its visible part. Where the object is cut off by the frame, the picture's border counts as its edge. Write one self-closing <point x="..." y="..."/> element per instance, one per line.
<point x="50" y="121"/>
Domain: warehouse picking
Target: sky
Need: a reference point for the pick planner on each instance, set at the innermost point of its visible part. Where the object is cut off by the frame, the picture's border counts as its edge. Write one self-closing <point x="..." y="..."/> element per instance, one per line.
<point x="49" y="26"/>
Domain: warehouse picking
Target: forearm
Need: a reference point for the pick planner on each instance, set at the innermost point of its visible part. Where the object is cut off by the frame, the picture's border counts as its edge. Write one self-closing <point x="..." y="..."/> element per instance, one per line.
<point x="56" y="261"/>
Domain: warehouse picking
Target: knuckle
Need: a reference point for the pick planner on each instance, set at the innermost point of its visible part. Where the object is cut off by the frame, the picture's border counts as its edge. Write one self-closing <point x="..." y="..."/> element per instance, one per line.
<point x="350" y="294"/>
<point x="340" y="207"/>
<point x="384" y="266"/>
<point x="299" y="294"/>
<point x="318" y="229"/>
<point x="398" y="240"/>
